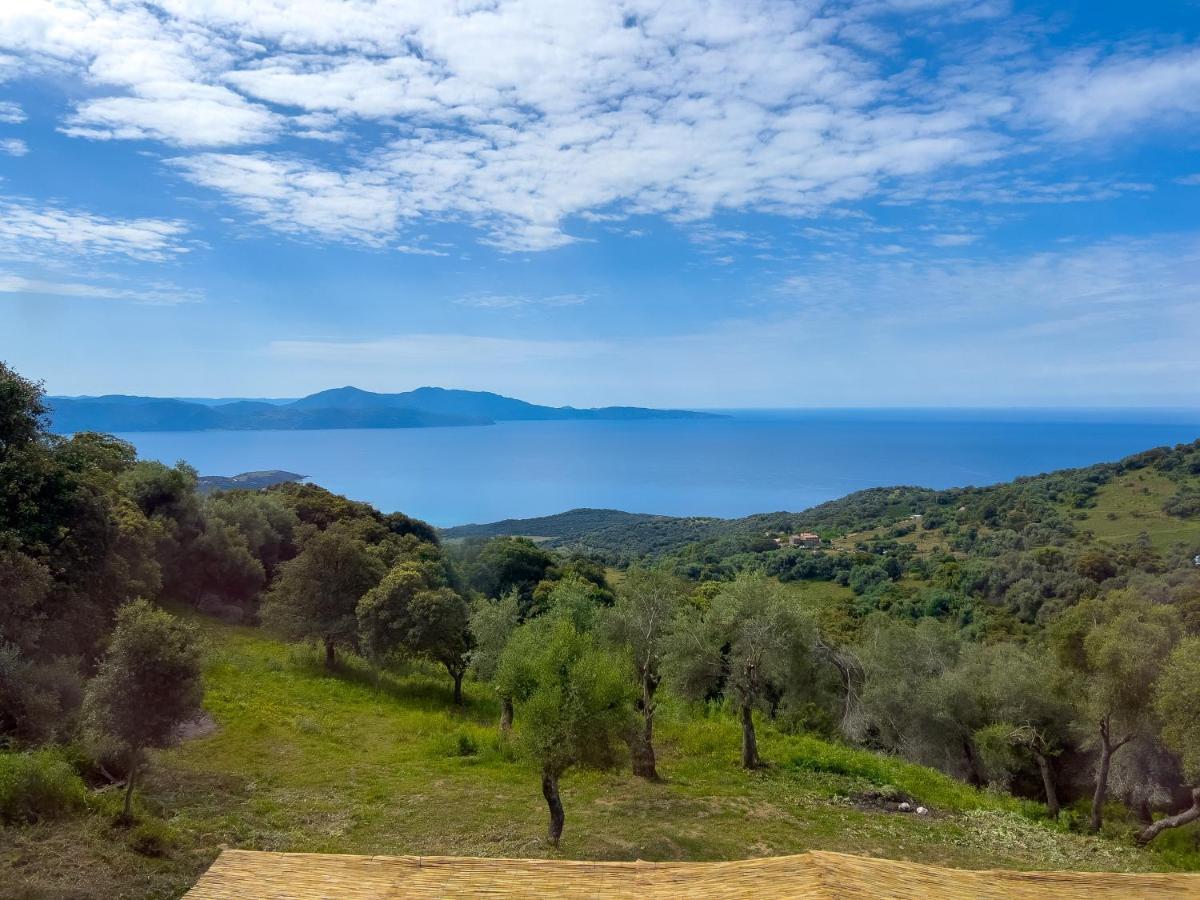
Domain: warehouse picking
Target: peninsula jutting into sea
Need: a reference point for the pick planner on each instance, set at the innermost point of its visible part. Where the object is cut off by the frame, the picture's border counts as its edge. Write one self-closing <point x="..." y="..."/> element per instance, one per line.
<point x="346" y="407"/>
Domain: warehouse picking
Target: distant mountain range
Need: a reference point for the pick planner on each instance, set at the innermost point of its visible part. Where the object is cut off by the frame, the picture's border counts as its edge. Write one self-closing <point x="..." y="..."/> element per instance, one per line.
<point x="347" y="407"/>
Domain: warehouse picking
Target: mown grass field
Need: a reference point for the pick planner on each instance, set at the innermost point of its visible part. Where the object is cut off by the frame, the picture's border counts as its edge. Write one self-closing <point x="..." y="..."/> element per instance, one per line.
<point x="302" y="760"/>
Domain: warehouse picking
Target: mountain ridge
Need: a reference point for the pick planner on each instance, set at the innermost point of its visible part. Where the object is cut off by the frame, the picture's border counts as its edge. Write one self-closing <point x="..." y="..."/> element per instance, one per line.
<point x="335" y="408"/>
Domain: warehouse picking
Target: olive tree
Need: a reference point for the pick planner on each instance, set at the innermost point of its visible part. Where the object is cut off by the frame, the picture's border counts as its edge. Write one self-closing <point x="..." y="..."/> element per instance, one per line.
<point x="1024" y="698"/>
<point x="641" y="619"/>
<point x="751" y="644"/>
<point x="914" y="697"/>
<point x="148" y="683"/>
<point x="412" y="611"/>
<point x="1115" y="646"/>
<point x="575" y="700"/>
<point x="1177" y="703"/>
<point x="316" y="594"/>
<point x="492" y="625"/>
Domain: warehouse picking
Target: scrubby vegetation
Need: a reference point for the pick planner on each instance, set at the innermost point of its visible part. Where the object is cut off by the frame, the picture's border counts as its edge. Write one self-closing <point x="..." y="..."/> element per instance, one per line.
<point x="978" y="654"/>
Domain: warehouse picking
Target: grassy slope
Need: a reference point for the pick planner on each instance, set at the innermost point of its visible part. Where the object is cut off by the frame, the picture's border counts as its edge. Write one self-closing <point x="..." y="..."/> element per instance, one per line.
<point x="305" y="761"/>
<point x="1133" y="503"/>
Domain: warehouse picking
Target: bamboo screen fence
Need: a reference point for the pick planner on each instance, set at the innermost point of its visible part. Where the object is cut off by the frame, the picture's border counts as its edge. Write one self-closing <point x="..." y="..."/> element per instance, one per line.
<point x="253" y="875"/>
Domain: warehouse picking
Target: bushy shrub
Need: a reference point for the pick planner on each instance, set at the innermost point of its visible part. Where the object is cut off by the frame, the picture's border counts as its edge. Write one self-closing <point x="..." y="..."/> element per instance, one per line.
<point x="466" y="745"/>
<point x="1185" y="503"/>
<point x="38" y="701"/>
<point x="38" y="785"/>
<point x="151" y="838"/>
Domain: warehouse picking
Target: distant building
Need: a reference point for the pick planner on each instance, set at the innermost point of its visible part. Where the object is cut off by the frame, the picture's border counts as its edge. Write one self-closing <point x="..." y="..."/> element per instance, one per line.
<point x="803" y="539"/>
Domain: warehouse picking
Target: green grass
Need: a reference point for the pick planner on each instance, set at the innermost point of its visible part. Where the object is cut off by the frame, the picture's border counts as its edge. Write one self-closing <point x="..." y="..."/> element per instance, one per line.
<point x="350" y="762"/>
<point x="1133" y="503"/>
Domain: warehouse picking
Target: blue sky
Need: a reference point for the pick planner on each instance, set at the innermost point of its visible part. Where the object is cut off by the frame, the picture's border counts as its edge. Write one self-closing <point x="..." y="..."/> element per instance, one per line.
<point x="718" y="204"/>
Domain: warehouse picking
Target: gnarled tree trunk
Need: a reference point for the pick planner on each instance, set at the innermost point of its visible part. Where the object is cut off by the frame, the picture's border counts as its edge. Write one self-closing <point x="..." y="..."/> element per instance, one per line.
<point x="330" y="654"/>
<point x="750" y="758"/>
<point x="1188" y="815"/>
<point x="457" y="674"/>
<point x="641" y="750"/>
<point x="506" y="714"/>
<point x="1043" y="763"/>
<point x="554" y="803"/>
<point x="641" y="740"/>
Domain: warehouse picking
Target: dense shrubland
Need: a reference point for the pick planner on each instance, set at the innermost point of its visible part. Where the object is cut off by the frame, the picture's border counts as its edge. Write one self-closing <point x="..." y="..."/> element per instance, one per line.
<point x="983" y="632"/>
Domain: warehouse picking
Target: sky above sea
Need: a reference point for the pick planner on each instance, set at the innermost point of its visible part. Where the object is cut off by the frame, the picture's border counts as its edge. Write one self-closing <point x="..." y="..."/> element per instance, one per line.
<point x="749" y="462"/>
<point x="731" y="203"/>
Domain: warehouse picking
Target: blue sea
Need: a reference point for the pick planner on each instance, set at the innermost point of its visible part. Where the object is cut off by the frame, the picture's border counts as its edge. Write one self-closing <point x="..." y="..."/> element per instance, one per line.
<point x="749" y="462"/>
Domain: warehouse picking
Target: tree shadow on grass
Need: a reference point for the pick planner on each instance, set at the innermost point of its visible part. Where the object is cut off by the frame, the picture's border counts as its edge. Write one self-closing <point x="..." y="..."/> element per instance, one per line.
<point x="415" y="684"/>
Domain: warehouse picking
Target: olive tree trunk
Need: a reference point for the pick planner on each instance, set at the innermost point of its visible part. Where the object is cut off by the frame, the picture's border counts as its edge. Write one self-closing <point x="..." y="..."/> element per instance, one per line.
<point x="1188" y="815"/>
<point x="506" y="714"/>
<point x="641" y="740"/>
<point x="750" y="758"/>
<point x="1107" y="748"/>
<point x="554" y="803"/>
<point x="330" y="654"/>
<point x="135" y="763"/>
<point x="1052" y="805"/>
<point x="457" y="674"/>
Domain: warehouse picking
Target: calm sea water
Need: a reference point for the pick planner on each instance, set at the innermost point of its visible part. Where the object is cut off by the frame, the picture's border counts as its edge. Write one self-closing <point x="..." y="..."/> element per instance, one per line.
<point x="750" y="462"/>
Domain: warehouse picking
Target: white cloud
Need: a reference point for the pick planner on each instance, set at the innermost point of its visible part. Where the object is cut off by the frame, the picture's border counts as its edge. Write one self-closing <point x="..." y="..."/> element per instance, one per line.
<point x="187" y="115"/>
<point x="520" y="301"/>
<point x="1090" y="94"/>
<point x="29" y="230"/>
<point x="516" y="116"/>
<point x="13" y="146"/>
<point x="1132" y="279"/>
<point x="520" y="117"/>
<point x="11" y="113"/>
<point x="1189" y="180"/>
<point x="295" y="196"/>
<point x="152" y="295"/>
<point x="953" y="240"/>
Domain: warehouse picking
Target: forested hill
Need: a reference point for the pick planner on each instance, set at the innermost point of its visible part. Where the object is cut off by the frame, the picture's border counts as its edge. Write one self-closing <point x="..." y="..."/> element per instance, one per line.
<point x="1162" y="501"/>
<point x="246" y="481"/>
<point x="346" y="407"/>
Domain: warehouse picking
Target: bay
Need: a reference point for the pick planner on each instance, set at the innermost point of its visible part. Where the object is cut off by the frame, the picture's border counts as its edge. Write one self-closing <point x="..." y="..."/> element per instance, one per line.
<point x="749" y="462"/>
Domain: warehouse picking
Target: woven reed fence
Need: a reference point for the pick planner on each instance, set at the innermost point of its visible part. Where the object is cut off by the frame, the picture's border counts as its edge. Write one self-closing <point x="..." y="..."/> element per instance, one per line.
<point x="252" y="875"/>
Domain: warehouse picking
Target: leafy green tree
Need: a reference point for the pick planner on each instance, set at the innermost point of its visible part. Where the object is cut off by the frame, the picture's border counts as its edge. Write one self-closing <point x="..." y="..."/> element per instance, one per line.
<point x="263" y="519"/>
<point x="647" y="604"/>
<point x="510" y="563"/>
<point x="492" y="625"/>
<point x="316" y="506"/>
<point x="149" y="682"/>
<point x="1177" y="703"/>
<point x="910" y="699"/>
<point x="24" y="584"/>
<point x="1115" y="646"/>
<point x="316" y="594"/>
<point x="752" y="645"/>
<point x="576" y="702"/>
<point x="413" y="612"/>
<point x="22" y="410"/>
<point x="38" y="700"/>
<point x="1023" y="694"/>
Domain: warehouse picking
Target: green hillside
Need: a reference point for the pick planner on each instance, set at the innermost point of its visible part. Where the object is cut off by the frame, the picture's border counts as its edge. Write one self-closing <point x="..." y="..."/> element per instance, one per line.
<point x="301" y="760"/>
